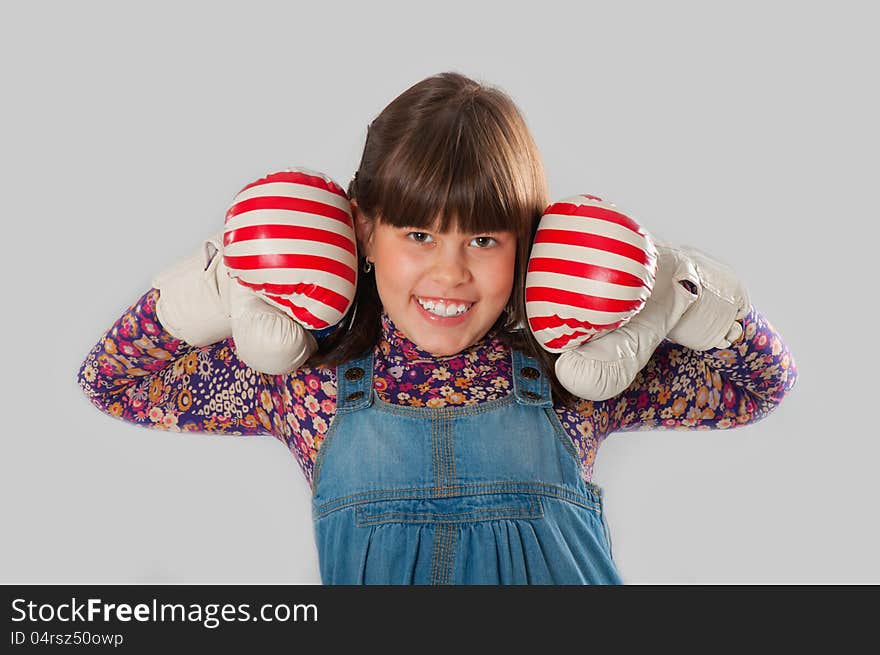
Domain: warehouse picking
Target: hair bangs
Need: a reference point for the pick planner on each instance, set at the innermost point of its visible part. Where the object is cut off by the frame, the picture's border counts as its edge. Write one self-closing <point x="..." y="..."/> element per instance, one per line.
<point x="468" y="176"/>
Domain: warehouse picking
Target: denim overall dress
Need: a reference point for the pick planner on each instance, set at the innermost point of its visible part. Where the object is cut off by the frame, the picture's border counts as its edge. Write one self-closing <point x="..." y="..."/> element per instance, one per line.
<point x="479" y="494"/>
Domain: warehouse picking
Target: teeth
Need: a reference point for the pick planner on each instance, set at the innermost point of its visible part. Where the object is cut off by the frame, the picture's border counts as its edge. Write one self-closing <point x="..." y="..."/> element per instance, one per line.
<point x="440" y="309"/>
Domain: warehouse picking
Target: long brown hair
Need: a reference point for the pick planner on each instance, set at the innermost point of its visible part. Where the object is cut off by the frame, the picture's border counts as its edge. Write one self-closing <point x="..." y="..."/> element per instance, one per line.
<point x="450" y="146"/>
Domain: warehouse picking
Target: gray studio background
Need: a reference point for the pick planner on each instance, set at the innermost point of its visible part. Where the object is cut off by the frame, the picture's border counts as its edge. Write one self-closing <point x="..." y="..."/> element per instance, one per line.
<point x="746" y="130"/>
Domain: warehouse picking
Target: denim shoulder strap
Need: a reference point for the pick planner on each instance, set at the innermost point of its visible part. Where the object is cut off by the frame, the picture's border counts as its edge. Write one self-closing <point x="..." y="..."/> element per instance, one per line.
<point x="530" y="384"/>
<point x="354" y="384"/>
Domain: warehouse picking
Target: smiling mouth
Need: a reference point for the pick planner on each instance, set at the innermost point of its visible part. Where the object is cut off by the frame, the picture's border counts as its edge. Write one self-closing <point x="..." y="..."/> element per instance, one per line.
<point x="445" y="309"/>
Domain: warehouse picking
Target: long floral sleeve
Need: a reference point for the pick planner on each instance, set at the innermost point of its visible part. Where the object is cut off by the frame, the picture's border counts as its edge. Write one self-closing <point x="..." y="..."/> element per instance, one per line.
<point x="720" y="388"/>
<point x="138" y="372"/>
<point x="141" y="374"/>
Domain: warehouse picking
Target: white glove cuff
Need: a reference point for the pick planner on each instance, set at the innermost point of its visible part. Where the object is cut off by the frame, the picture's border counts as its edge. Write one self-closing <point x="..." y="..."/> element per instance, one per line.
<point x="722" y="300"/>
<point x="607" y="365"/>
<point x="266" y="338"/>
<point x="190" y="305"/>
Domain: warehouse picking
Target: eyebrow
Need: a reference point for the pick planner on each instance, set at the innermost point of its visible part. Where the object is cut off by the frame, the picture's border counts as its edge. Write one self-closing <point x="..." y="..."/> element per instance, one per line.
<point x="432" y="229"/>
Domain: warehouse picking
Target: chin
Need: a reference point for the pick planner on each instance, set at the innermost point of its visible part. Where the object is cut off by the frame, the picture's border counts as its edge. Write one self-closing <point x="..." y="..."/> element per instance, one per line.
<point x="455" y="341"/>
<point x="441" y="350"/>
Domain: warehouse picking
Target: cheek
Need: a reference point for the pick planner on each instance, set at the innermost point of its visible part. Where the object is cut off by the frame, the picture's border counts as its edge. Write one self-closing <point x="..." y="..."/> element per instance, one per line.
<point x="496" y="278"/>
<point x="398" y="272"/>
<point x="402" y="268"/>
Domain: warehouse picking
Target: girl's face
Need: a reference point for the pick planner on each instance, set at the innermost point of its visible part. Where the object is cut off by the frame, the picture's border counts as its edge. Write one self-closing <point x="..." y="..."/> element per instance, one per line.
<point x="444" y="271"/>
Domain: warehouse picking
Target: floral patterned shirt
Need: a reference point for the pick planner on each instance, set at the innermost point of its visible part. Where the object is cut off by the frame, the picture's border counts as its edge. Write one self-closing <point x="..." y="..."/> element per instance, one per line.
<point x="141" y="374"/>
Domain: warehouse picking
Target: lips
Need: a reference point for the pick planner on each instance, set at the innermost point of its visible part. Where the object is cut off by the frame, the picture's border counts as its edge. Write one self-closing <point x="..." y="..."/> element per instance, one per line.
<point x="454" y="301"/>
<point x="445" y="321"/>
<point x="441" y="308"/>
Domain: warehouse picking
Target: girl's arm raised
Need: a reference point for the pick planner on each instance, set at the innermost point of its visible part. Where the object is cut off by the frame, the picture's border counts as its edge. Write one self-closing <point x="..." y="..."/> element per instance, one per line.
<point x="686" y="389"/>
<point x="141" y="374"/>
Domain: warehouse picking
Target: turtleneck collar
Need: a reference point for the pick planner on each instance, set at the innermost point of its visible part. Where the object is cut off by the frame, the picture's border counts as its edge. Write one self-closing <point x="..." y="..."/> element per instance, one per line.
<point x="396" y="346"/>
<point x="404" y="374"/>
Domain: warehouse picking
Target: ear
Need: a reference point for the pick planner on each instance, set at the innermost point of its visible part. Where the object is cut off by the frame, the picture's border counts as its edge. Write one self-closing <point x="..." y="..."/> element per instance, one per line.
<point x="363" y="228"/>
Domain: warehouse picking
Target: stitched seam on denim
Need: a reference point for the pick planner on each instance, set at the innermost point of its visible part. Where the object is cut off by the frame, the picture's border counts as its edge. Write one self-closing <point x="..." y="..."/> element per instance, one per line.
<point x="453" y="551"/>
<point x="448" y="531"/>
<point x="442" y="481"/>
<point x="322" y="449"/>
<point x="605" y="528"/>
<point x="444" y="460"/>
<point x="416" y="518"/>
<point x="447" y="455"/>
<point x="444" y="557"/>
<point x="440" y="537"/>
<point x="534" y="510"/>
<point x="450" y="553"/>
<point x="439" y="480"/>
<point x="364" y="556"/>
<point x="434" y="553"/>
<point x="435" y="455"/>
<point x="453" y="474"/>
<point x="563" y="437"/>
<point x="607" y="535"/>
<point x="439" y="437"/>
<point x="553" y="491"/>
<point x="433" y="557"/>
<point x="470" y="489"/>
<point x="449" y="451"/>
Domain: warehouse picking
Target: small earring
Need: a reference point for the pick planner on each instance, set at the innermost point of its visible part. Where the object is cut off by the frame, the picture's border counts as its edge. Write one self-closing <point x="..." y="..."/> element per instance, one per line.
<point x="368" y="265"/>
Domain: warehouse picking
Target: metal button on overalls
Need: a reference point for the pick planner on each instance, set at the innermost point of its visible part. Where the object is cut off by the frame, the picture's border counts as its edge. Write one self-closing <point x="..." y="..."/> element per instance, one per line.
<point x="479" y="494"/>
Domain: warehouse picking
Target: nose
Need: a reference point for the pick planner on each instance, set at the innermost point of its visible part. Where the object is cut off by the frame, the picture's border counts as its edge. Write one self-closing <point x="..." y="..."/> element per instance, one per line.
<point x="450" y="268"/>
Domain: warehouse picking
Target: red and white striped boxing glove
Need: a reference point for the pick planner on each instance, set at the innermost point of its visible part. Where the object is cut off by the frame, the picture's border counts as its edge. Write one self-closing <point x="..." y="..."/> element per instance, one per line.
<point x="599" y="290"/>
<point x="590" y="271"/>
<point x="290" y="250"/>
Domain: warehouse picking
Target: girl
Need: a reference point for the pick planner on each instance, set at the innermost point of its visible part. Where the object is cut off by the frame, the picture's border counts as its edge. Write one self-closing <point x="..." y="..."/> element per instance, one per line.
<point x="439" y="451"/>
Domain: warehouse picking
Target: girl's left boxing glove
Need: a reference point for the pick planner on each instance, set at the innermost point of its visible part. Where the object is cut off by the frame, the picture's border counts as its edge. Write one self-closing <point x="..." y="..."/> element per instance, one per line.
<point x="712" y="321"/>
<point x="590" y="270"/>
<point x="602" y="293"/>
<point x="606" y="366"/>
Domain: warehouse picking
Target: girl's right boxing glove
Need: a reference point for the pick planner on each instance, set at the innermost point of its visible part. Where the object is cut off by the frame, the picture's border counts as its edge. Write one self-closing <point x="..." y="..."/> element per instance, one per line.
<point x="290" y="249"/>
<point x="193" y="303"/>
<point x="200" y="305"/>
<point x="290" y="240"/>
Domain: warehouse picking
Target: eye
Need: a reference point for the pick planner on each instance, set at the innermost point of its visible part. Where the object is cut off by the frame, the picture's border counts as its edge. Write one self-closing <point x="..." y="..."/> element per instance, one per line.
<point x="423" y="234"/>
<point x="485" y="239"/>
